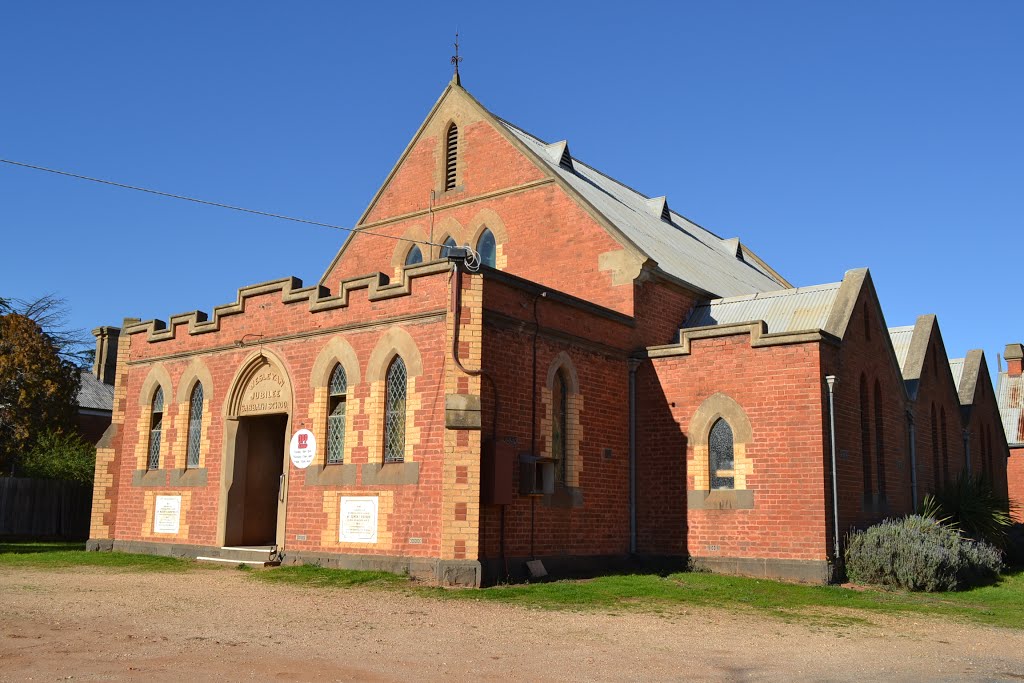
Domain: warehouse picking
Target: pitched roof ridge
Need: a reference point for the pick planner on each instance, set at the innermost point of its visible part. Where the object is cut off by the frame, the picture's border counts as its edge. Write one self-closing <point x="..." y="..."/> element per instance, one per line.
<point x="901" y="328"/>
<point x="775" y="293"/>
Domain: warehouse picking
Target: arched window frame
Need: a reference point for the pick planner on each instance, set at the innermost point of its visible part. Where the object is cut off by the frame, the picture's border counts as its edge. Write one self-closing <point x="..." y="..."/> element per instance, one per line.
<point x="935" y="450"/>
<point x="865" y="436"/>
<point x="487" y="247"/>
<point x="396" y="394"/>
<point x="196" y="406"/>
<point x="879" y="440"/>
<point x="337" y="407"/>
<point x="945" y="445"/>
<point x="701" y="491"/>
<point x="451" y="157"/>
<point x="156" y="419"/>
<point x="721" y="456"/>
<point x="562" y="403"/>
<point x="414" y="256"/>
<point x="447" y="245"/>
<point x="560" y="426"/>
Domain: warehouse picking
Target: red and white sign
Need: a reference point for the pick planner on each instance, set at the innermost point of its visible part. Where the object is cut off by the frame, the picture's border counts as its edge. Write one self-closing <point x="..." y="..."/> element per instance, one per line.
<point x="303" y="448"/>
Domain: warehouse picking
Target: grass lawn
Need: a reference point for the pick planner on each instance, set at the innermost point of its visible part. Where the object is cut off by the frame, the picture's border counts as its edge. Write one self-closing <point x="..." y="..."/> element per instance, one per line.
<point x="1001" y="604"/>
<point x="62" y="554"/>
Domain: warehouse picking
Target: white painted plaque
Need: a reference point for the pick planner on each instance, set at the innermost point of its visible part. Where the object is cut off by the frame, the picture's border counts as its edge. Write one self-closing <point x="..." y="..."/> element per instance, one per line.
<point x="303" y="448"/>
<point x="358" y="521"/>
<point x="167" y="515"/>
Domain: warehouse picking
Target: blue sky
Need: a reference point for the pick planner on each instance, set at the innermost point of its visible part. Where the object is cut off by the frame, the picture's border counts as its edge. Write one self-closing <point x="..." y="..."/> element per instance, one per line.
<point x="826" y="135"/>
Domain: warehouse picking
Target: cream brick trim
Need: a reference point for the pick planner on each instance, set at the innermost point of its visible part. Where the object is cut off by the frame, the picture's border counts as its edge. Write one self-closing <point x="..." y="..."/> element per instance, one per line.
<point x="715" y="407"/>
<point x="410" y="237"/>
<point x="195" y="372"/>
<point x="574" y="407"/>
<point x="395" y="342"/>
<point x="488" y="219"/>
<point x="246" y="370"/>
<point x="158" y="375"/>
<point x="444" y="228"/>
<point x="336" y="351"/>
<point x="459" y="117"/>
<point x="149" y="504"/>
<point x="757" y="329"/>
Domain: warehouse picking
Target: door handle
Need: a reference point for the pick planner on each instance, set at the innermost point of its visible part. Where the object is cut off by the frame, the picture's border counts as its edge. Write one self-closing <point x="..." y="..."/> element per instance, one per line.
<point x="280" y="489"/>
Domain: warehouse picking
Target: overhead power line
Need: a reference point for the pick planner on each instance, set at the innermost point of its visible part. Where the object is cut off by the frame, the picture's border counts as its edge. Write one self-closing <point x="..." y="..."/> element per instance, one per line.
<point x="220" y="205"/>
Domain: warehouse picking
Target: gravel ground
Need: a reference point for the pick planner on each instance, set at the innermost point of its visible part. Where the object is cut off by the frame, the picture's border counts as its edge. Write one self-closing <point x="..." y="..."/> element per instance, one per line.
<point x="221" y="624"/>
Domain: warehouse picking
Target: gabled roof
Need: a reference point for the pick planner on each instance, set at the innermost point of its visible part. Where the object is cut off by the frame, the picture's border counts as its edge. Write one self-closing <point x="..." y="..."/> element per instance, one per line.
<point x="94" y="394"/>
<point x="784" y="310"/>
<point x="681" y="248"/>
<point x="1010" y="395"/>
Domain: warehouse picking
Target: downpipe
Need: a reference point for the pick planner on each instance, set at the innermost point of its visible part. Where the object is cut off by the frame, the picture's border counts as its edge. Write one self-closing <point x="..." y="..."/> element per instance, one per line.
<point x="830" y="380"/>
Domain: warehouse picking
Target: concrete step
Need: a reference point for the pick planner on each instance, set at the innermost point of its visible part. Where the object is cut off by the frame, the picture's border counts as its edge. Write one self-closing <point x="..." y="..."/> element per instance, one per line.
<point x="265" y="556"/>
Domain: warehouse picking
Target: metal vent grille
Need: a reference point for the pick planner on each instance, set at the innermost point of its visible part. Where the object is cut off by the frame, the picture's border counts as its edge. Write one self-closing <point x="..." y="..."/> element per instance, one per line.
<point x="566" y="160"/>
<point x="394" y="412"/>
<point x="451" y="156"/>
<point x="195" y="425"/>
<point x="666" y="215"/>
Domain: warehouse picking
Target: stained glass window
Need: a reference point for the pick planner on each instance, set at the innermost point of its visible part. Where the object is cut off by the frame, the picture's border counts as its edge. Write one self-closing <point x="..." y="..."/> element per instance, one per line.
<point x="195" y="425"/>
<point x="336" y="416"/>
<point x="559" y="426"/>
<point x="394" y="411"/>
<point x="720" y="452"/>
<point x="414" y="256"/>
<point x="155" y="427"/>
<point x="486" y="248"/>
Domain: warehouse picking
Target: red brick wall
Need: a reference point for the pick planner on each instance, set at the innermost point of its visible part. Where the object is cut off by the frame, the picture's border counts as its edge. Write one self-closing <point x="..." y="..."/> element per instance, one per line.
<point x="416" y="507"/>
<point x="537" y="526"/>
<point x="1015" y="481"/>
<point x="780" y="390"/>
<point x="989" y="451"/>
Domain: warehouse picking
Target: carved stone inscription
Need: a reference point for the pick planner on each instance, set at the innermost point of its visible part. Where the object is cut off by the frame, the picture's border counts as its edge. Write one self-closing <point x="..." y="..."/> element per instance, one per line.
<point x="264" y="393"/>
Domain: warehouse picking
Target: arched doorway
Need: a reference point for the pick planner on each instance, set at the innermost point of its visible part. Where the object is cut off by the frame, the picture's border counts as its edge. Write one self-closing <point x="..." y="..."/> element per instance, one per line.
<point x="256" y="432"/>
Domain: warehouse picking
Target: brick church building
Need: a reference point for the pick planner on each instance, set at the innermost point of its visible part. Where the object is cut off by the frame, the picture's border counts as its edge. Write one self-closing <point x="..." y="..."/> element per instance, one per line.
<point x="645" y="391"/>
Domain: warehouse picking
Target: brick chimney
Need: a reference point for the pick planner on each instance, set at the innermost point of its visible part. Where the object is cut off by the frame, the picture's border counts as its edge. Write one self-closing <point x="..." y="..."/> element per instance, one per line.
<point x="105" y="363"/>
<point x="1014" y="354"/>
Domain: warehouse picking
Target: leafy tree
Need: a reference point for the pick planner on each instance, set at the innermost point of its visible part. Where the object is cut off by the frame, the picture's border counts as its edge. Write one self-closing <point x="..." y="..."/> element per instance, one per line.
<point x="39" y="376"/>
<point x="60" y="455"/>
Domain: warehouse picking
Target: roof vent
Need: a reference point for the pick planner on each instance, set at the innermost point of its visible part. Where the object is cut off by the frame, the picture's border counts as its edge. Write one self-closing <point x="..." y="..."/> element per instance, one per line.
<point x="733" y="247"/>
<point x="659" y="207"/>
<point x="559" y="153"/>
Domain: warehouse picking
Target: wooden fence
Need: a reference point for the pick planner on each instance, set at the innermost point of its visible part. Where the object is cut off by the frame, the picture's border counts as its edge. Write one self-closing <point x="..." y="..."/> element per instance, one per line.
<point x="44" y="509"/>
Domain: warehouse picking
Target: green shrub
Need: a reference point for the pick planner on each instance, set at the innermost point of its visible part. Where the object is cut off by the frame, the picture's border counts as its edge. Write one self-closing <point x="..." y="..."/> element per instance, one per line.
<point x="58" y="455"/>
<point x="919" y="554"/>
<point x="971" y="505"/>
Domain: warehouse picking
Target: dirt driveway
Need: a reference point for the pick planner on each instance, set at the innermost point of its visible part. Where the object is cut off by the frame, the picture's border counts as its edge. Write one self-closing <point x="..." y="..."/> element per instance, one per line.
<point x="90" y="624"/>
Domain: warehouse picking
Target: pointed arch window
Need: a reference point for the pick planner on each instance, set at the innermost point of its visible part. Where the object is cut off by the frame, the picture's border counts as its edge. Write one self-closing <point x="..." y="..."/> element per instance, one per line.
<point x="945" y="446"/>
<point x="879" y="439"/>
<point x="721" y="460"/>
<point x="336" y="394"/>
<point x="865" y="436"/>
<point x="396" y="391"/>
<point x="935" y="450"/>
<point x="560" y="425"/>
<point x="447" y="246"/>
<point x="487" y="248"/>
<point x="156" y="421"/>
<point x="414" y="256"/>
<point x="451" y="156"/>
<point x="195" y="425"/>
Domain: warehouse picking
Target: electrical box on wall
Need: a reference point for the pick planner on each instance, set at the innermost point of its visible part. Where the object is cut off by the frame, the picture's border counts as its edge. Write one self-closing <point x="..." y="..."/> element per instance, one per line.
<point x="496" y="473"/>
<point x="536" y="475"/>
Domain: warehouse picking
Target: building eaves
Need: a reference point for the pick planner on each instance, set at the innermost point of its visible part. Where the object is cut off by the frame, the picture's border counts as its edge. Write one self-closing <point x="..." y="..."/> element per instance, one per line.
<point x="785" y="310"/>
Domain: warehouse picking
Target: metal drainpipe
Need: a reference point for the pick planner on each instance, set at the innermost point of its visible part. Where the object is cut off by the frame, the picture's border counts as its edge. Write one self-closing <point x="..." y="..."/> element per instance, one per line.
<point x="913" y="458"/>
<point x="633" y="365"/>
<point x="830" y="380"/>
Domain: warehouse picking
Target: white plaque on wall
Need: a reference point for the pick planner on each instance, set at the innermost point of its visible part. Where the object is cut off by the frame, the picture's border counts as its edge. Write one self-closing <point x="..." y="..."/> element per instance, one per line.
<point x="167" y="515"/>
<point x="358" y="521"/>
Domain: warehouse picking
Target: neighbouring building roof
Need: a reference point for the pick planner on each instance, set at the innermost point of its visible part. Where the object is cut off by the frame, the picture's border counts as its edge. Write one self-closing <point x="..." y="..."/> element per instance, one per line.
<point x="1010" y="395"/>
<point x="94" y="394"/>
<point x="956" y="366"/>
<point x="785" y="310"/>
<point x="681" y="248"/>
<point x="901" y="337"/>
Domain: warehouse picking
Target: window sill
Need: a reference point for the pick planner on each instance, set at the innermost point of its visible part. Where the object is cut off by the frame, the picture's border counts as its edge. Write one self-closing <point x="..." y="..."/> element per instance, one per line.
<point x="564" y="497"/>
<point x="720" y="499"/>
<point x="331" y="475"/>
<point x="149" y="478"/>
<point x="193" y="476"/>
<point x="391" y="474"/>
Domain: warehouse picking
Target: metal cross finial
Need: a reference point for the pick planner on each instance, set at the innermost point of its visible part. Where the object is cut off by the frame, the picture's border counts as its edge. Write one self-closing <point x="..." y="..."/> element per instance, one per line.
<point x="456" y="58"/>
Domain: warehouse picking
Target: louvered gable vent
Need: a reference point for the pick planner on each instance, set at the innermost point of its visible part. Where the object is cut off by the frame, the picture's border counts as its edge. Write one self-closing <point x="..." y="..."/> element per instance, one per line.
<point x="451" y="157"/>
<point x="659" y="207"/>
<point x="559" y="152"/>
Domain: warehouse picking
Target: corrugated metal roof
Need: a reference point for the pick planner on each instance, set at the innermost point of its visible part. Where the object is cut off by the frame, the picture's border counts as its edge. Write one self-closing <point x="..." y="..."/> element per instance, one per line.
<point x="1010" y="395"/>
<point x="956" y="366"/>
<point x="95" y="394"/>
<point x="901" y="337"/>
<point x="784" y="310"/>
<point x="681" y="248"/>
